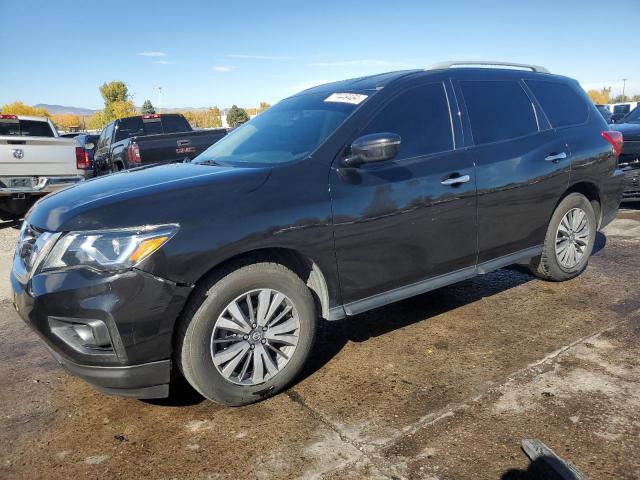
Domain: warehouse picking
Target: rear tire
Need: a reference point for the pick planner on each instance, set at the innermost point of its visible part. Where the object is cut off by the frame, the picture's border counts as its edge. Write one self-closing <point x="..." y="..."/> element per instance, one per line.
<point x="16" y="208"/>
<point x="569" y="240"/>
<point x="212" y="326"/>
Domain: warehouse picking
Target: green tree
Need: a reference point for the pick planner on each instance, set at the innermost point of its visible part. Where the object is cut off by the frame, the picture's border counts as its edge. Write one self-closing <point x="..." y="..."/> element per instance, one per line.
<point x="636" y="98"/>
<point x="115" y="91"/>
<point x="147" y="108"/>
<point x="620" y="99"/>
<point x="237" y="116"/>
<point x="117" y="101"/>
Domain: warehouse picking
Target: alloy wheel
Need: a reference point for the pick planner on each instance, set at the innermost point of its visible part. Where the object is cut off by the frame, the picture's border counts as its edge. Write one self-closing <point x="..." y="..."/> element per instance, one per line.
<point x="572" y="238"/>
<point x="255" y="336"/>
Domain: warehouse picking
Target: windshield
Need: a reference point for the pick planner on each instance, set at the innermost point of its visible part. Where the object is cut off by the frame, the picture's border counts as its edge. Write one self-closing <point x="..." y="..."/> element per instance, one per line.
<point x="633" y="116"/>
<point x="288" y="131"/>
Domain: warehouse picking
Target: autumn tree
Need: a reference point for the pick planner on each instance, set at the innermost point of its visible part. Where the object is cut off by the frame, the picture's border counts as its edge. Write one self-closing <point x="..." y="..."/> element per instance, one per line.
<point x="600" y="97"/>
<point x="66" y="121"/>
<point x="263" y="107"/>
<point x="237" y="116"/>
<point x="147" y="108"/>
<point x="209" y="118"/>
<point x="97" y="121"/>
<point x="21" y="108"/>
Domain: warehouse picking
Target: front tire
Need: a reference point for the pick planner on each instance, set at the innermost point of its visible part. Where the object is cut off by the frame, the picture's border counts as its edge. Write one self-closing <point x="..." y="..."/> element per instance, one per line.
<point x="246" y="334"/>
<point x="569" y="240"/>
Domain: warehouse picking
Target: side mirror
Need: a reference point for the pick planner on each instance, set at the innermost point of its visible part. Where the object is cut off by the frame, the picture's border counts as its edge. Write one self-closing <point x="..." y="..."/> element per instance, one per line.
<point x="376" y="147"/>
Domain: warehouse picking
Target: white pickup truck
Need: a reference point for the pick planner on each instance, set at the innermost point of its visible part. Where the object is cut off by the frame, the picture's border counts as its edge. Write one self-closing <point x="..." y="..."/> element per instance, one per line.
<point x="34" y="161"/>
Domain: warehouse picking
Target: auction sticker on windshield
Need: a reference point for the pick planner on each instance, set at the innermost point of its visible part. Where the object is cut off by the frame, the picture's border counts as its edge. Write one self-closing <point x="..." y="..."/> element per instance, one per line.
<point x="353" y="98"/>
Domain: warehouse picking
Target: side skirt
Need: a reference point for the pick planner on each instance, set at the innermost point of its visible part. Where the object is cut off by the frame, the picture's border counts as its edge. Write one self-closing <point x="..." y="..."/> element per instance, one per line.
<point x="423" y="286"/>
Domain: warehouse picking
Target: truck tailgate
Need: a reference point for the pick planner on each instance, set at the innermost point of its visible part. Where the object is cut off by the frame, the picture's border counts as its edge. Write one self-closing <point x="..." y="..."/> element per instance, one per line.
<point x="40" y="156"/>
<point x="172" y="147"/>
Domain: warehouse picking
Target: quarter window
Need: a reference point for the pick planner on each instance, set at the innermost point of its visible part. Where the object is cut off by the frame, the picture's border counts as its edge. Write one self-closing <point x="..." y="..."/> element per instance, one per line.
<point x="562" y="104"/>
<point x="498" y="110"/>
<point x="421" y="117"/>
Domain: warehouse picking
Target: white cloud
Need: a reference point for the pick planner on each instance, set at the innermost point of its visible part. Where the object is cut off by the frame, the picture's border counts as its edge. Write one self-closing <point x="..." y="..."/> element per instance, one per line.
<point x="224" y="68"/>
<point x="163" y="62"/>
<point x="258" y="57"/>
<point x="365" y="62"/>
<point x="152" y="54"/>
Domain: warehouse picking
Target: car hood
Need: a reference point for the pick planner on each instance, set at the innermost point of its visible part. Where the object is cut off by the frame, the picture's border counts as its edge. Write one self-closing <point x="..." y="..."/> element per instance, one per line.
<point x="145" y="196"/>
<point x="630" y="131"/>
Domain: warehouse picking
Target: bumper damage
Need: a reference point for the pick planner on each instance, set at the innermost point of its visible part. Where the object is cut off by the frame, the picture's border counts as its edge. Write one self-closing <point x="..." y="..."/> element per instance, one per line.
<point x="112" y="330"/>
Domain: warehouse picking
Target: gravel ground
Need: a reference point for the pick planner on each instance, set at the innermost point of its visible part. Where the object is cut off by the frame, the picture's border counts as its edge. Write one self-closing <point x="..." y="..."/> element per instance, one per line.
<point x="442" y="386"/>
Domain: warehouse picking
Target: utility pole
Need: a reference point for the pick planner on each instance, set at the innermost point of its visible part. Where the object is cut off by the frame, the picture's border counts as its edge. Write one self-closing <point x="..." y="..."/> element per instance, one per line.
<point x="624" y="84"/>
<point x="159" y="99"/>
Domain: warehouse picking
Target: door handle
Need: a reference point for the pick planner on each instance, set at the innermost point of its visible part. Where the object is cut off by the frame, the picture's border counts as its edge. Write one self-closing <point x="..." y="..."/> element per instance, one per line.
<point x="555" y="157"/>
<point x="456" y="180"/>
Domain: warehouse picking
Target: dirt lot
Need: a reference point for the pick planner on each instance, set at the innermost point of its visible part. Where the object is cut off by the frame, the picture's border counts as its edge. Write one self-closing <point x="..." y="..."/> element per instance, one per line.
<point x="445" y="385"/>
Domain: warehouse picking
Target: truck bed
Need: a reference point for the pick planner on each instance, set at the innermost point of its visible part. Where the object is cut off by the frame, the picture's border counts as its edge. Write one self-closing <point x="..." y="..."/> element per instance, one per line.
<point x="174" y="147"/>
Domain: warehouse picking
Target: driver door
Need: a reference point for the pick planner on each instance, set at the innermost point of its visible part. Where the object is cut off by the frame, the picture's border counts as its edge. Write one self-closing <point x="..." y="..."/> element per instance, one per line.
<point x="403" y="225"/>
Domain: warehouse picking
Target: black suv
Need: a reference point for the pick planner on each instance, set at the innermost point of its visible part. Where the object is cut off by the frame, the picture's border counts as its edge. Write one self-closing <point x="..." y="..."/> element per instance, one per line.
<point x="338" y="200"/>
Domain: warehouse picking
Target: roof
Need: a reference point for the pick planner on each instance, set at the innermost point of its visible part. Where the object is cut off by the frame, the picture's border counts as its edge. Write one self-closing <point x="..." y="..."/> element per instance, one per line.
<point x="375" y="82"/>
<point x="372" y="82"/>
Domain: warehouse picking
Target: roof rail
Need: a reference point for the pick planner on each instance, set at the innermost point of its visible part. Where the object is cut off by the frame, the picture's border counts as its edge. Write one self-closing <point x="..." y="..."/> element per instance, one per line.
<point x="443" y="65"/>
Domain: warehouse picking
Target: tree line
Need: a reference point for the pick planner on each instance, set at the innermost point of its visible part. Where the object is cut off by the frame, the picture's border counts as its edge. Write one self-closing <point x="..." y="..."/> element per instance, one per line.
<point x="118" y="103"/>
<point x="603" y="97"/>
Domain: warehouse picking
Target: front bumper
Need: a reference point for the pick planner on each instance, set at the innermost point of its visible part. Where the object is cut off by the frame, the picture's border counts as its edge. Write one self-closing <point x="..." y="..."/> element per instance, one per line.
<point x="36" y="185"/>
<point x="136" y="310"/>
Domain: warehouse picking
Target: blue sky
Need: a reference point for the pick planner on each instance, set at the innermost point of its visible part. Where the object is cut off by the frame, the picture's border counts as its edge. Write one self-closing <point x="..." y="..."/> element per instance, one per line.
<point x="244" y="52"/>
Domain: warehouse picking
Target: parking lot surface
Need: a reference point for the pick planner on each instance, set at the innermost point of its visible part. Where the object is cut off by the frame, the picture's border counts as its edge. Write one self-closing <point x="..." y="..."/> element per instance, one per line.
<point x="442" y="386"/>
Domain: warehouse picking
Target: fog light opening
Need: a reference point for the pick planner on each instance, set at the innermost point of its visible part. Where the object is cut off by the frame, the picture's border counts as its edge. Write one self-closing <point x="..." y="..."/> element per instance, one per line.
<point x="84" y="335"/>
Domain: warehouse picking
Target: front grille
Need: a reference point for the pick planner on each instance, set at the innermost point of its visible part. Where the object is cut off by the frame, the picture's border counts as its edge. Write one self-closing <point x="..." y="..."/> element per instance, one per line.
<point x="27" y="245"/>
<point x="33" y="244"/>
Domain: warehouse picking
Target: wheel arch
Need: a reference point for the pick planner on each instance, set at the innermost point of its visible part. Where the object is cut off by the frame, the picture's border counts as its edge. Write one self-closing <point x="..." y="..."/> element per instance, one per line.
<point x="591" y="191"/>
<point x="302" y="265"/>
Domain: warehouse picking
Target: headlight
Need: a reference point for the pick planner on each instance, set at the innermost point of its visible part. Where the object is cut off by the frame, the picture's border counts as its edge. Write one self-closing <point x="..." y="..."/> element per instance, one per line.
<point x="107" y="250"/>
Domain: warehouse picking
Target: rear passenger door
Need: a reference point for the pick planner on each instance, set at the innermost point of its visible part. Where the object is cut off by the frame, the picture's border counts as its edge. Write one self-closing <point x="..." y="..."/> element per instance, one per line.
<point x="522" y="166"/>
<point x="401" y="222"/>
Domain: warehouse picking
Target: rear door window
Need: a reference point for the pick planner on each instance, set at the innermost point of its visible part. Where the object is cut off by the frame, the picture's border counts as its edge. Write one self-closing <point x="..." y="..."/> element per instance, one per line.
<point x="498" y="110"/>
<point x="561" y="103"/>
<point x="422" y="119"/>
<point x="174" y="124"/>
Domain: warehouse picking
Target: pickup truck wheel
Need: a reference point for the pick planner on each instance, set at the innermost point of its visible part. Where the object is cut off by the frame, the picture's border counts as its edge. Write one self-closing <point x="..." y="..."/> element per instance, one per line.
<point x="569" y="241"/>
<point x="16" y="208"/>
<point x="246" y="335"/>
